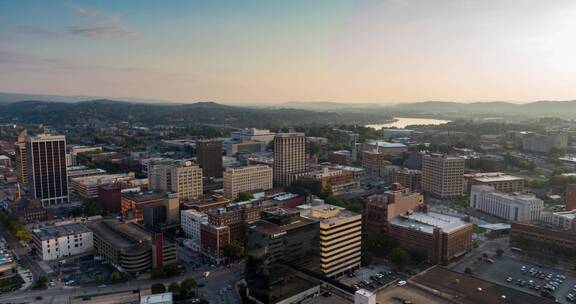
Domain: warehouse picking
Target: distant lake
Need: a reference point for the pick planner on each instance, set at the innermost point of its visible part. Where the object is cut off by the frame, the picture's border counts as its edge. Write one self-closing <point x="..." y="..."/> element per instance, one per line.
<point x="402" y="122"/>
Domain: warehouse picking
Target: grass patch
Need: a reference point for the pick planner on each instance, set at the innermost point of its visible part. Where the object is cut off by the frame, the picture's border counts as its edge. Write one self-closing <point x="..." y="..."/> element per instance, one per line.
<point x="478" y="229"/>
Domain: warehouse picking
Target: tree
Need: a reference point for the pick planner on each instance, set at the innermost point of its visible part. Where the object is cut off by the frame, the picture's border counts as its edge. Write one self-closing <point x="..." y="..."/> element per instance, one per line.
<point x="234" y="250"/>
<point x="92" y="207"/>
<point x="174" y="288"/>
<point x="99" y="278"/>
<point x="475" y="244"/>
<point x="244" y="196"/>
<point x="468" y="271"/>
<point x="499" y="252"/>
<point x="188" y="284"/>
<point x="399" y="257"/>
<point x="115" y="276"/>
<point x="158" y="288"/>
<point x="41" y="282"/>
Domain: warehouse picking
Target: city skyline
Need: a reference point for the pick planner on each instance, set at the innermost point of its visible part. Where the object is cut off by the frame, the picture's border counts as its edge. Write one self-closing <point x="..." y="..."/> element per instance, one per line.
<point x="272" y="52"/>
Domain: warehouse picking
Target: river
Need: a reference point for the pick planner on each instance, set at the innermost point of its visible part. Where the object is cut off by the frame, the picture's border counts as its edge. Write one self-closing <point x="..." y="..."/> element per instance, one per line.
<point x="402" y="122"/>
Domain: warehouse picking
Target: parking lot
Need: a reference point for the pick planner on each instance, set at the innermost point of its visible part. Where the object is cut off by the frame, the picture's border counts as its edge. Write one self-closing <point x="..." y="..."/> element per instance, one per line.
<point x="528" y="277"/>
<point x="83" y="271"/>
<point x="369" y="278"/>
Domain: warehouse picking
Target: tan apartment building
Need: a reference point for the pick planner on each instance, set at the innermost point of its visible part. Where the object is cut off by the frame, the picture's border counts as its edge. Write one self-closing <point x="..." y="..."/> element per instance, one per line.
<point x="181" y="176"/>
<point x="443" y="175"/>
<point x="340" y="238"/>
<point x="247" y="179"/>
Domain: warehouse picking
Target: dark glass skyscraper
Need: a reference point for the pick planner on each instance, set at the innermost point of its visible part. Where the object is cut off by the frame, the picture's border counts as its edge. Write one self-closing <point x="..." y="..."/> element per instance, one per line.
<point x="277" y="247"/>
<point x="209" y="157"/>
<point x="46" y="166"/>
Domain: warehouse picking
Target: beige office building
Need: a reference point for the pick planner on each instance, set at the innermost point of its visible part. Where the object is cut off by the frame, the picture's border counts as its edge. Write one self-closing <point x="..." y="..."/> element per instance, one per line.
<point x="246" y="179"/>
<point x="289" y="156"/>
<point x="443" y="175"/>
<point x="340" y="238"/>
<point x="181" y="176"/>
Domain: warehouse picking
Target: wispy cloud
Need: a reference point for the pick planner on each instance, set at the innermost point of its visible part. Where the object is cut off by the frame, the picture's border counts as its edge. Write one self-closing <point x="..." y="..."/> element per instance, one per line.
<point x="102" y="31"/>
<point x="100" y="25"/>
<point x="29" y="29"/>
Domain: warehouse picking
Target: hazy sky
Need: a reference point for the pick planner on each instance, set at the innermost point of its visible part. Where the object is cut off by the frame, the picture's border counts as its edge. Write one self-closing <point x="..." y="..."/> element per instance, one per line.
<point x="271" y="51"/>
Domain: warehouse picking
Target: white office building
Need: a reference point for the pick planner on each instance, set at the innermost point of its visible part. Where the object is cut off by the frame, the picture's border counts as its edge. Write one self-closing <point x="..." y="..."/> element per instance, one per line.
<point x="190" y="222"/>
<point x="508" y="206"/>
<point x="58" y="242"/>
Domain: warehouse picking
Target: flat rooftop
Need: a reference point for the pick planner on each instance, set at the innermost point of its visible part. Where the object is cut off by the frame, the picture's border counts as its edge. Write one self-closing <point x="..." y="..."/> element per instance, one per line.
<point x="385" y="144"/>
<point x="52" y="232"/>
<point x="122" y="235"/>
<point x="408" y="292"/>
<point x="143" y="196"/>
<point x="426" y="222"/>
<point x="460" y="288"/>
<point x="493" y="177"/>
<point x="272" y="228"/>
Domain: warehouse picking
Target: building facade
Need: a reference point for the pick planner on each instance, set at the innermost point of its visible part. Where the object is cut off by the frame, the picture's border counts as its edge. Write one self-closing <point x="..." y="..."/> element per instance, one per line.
<point x="442" y="175"/>
<point x="129" y="247"/>
<point x="60" y="242"/>
<point x="409" y="178"/>
<point x="247" y="179"/>
<point x="340" y="238"/>
<point x="570" y="197"/>
<point x="21" y="160"/>
<point x="508" y="206"/>
<point x="209" y="157"/>
<point x="181" y="176"/>
<point x="289" y="156"/>
<point x="46" y="167"/>
<point x="501" y="182"/>
<point x="441" y="237"/>
<point x="191" y="221"/>
<point x="381" y="208"/>
<point x="277" y="247"/>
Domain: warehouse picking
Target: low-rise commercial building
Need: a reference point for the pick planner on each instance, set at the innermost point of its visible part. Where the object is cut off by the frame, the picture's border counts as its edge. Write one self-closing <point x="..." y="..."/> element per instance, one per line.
<point x="58" y="242"/>
<point x="501" y="182"/>
<point x="132" y="205"/>
<point x="340" y="157"/>
<point x="543" y="240"/>
<point x="381" y="208"/>
<point x="247" y="146"/>
<point x="409" y="178"/>
<point x="508" y="206"/>
<point x="441" y="237"/>
<point x="191" y="221"/>
<point x="87" y="186"/>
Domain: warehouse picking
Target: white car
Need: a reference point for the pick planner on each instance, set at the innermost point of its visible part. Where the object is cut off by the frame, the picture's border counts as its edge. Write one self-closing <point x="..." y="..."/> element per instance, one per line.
<point x="401" y="283"/>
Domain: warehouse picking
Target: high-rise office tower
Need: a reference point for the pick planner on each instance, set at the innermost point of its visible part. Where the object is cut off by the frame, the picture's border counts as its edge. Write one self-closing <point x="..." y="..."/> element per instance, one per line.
<point x="443" y="175"/>
<point x="289" y="156"/>
<point x="180" y="176"/>
<point x="46" y="167"/>
<point x="20" y="148"/>
<point x="209" y="157"/>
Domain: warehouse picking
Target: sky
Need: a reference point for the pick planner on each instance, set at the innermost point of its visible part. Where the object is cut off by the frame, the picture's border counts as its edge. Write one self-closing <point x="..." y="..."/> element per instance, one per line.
<point x="274" y="51"/>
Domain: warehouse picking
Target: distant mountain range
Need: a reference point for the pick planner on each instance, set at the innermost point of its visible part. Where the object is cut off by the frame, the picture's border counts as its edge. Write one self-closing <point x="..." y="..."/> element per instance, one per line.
<point x="35" y="107"/>
<point x="102" y="112"/>
<point x="15" y="97"/>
